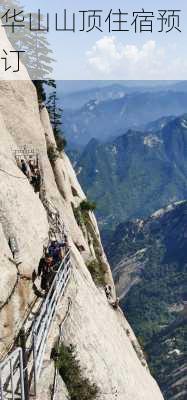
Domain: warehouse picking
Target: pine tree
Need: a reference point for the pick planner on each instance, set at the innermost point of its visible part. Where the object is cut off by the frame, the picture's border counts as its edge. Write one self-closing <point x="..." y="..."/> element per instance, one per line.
<point x="37" y="56"/>
<point x="16" y="36"/>
<point x="55" y="113"/>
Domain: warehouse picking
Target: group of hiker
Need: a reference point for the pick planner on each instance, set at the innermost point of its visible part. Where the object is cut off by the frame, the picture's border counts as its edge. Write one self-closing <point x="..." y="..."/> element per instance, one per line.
<point x="108" y="292"/>
<point x="31" y="170"/>
<point x="51" y="260"/>
<point x="57" y="249"/>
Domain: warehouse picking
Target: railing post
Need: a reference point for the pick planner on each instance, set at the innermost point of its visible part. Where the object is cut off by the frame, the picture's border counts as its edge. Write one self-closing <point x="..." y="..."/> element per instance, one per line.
<point x="34" y="363"/>
<point x="22" y="376"/>
<point x="1" y="385"/>
<point x="12" y="379"/>
<point x="24" y="360"/>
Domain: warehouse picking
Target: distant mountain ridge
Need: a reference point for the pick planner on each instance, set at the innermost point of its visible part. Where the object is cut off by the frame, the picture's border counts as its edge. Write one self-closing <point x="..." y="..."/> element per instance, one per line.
<point x="136" y="173"/>
<point x="105" y="118"/>
<point x="74" y="94"/>
<point x="155" y="126"/>
<point x="150" y="270"/>
<point x="77" y="100"/>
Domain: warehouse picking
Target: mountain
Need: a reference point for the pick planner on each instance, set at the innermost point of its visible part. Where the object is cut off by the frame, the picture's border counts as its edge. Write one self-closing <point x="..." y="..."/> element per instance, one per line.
<point x="149" y="259"/>
<point x="55" y="342"/>
<point x="78" y="99"/>
<point x="155" y="126"/>
<point x="74" y="94"/>
<point x="138" y="172"/>
<point x="107" y="119"/>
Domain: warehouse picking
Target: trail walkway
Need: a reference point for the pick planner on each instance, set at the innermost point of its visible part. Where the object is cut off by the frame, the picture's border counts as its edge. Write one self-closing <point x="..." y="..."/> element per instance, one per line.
<point x="20" y="371"/>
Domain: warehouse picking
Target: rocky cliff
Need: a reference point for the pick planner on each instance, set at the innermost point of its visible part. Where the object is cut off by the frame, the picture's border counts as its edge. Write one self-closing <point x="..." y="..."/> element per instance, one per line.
<point x="151" y="274"/>
<point x="106" y="346"/>
<point x="147" y="170"/>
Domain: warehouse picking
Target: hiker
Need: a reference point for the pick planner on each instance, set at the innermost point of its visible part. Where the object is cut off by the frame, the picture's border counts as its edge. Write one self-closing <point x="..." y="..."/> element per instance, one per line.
<point x="115" y="303"/>
<point x="55" y="250"/>
<point x="66" y="244"/>
<point x="37" y="181"/>
<point x="108" y="291"/>
<point x="31" y="166"/>
<point x="50" y="265"/>
<point x="45" y="270"/>
<point x="42" y="271"/>
<point x="24" y="168"/>
<point x="62" y="246"/>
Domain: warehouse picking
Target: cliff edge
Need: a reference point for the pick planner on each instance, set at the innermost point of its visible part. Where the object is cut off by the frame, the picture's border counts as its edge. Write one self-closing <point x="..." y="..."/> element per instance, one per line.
<point x="106" y="347"/>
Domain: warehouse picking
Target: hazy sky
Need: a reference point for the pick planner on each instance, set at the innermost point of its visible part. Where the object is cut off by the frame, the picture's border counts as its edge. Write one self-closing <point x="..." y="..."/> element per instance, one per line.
<point x="119" y="55"/>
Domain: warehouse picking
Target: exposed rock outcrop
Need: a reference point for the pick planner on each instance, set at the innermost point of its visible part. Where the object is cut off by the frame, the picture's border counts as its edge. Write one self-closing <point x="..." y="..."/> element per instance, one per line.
<point x="102" y="336"/>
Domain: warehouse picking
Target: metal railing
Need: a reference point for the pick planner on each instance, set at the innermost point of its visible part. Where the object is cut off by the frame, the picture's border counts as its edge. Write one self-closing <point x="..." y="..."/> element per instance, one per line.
<point x="12" y="371"/>
<point x="60" y="340"/>
<point x="43" y="322"/>
<point x="57" y="227"/>
<point x="12" y="377"/>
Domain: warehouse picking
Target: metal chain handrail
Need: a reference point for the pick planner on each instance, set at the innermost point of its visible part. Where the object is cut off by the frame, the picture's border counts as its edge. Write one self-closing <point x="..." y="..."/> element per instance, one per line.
<point x="54" y="295"/>
<point x="44" y="306"/>
<point x="43" y="322"/>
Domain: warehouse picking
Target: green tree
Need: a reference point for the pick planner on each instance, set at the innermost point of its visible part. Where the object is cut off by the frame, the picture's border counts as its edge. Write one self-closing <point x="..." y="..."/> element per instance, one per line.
<point x="79" y="387"/>
<point x="55" y="113"/>
<point x="5" y="6"/>
<point x="37" y="56"/>
<point x="40" y="88"/>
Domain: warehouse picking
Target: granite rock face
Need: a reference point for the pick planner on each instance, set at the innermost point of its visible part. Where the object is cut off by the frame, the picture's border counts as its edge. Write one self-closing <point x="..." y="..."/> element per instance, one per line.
<point x="105" y="343"/>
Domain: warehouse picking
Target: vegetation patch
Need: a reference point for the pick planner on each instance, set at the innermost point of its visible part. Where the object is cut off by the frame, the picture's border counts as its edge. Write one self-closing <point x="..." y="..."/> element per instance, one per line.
<point x="55" y="114"/>
<point x="97" y="273"/>
<point x="87" y="205"/>
<point x="81" y="214"/>
<point x="61" y="142"/>
<point x="78" y="215"/>
<point x="52" y="153"/>
<point x="91" y="231"/>
<point x="79" y="387"/>
<point x="139" y="353"/>
<point x="96" y="267"/>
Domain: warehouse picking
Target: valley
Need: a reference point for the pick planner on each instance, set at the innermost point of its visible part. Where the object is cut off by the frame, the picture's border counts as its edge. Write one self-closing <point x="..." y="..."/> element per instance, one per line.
<point x="149" y="259"/>
<point x="129" y="149"/>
